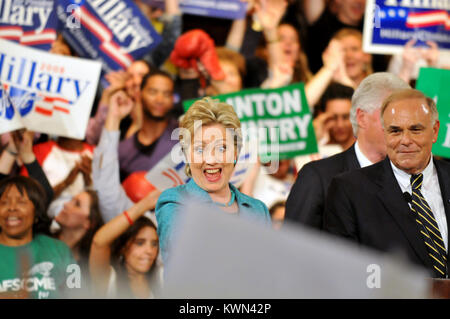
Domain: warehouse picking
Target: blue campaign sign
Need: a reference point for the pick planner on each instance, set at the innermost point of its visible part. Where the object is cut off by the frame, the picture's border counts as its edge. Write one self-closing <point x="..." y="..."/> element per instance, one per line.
<point x="112" y="31"/>
<point x="31" y="23"/>
<point x="225" y="9"/>
<point x="389" y="24"/>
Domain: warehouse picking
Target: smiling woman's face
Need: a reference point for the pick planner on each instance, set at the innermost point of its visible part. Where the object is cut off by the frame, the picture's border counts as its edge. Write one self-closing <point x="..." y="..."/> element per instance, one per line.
<point x="212" y="156"/>
<point x="289" y="43"/>
<point x="355" y="59"/>
<point x="142" y="252"/>
<point x="16" y="214"/>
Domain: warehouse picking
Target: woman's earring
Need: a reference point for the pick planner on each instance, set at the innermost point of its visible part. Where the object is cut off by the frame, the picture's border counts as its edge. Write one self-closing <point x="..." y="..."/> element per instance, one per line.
<point x="235" y="161"/>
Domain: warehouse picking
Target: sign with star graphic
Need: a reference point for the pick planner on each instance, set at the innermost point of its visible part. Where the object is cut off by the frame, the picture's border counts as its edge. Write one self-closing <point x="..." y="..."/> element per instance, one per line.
<point x="389" y="24"/>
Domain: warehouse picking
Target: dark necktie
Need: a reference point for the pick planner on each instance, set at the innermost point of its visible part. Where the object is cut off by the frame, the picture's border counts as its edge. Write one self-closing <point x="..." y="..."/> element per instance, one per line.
<point x="429" y="228"/>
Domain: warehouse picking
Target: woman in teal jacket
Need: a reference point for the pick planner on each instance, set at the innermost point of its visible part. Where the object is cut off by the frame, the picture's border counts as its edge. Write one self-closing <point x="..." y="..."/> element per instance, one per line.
<point x="210" y="136"/>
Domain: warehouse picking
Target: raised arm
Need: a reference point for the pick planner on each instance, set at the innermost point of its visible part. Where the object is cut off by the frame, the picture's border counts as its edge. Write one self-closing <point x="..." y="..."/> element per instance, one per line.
<point x="411" y="55"/>
<point x="8" y="158"/>
<point x="100" y="254"/>
<point x="333" y="69"/>
<point x="22" y="142"/>
<point x="117" y="80"/>
<point x="269" y="13"/>
<point x="105" y="164"/>
<point x="313" y="9"/>
<point x="237" y="31"/>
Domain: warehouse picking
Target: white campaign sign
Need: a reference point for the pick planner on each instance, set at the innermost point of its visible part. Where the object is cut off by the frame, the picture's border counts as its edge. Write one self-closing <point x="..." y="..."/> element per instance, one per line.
<point x="45" y="92"/>
<point x="169" y="172"/>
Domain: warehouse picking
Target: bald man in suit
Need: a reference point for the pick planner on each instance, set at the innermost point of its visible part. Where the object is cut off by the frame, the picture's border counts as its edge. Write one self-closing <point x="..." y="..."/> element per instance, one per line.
<point x="306" y="200"/>
<point x="400" y="204"/>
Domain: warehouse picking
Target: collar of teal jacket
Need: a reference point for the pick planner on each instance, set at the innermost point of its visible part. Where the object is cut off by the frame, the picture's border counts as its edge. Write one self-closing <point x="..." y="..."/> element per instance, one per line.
<point x="245" y="204"/>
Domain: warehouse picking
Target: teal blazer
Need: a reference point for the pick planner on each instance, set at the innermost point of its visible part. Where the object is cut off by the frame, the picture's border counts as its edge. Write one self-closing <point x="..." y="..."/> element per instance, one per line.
<point x="171" y="200"/>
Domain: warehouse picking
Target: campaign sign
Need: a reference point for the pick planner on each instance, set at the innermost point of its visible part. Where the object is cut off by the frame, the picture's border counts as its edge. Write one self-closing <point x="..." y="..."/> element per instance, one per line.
<point x="45" y="92"/>
<point x="29" y="22"/>
<point x="114" y="32"/>
<point x="279" y="119"/>
<point x="169" y="172"/>
<point x="435" y="84"/>
<point x="389" y="24"/>
<point x="225" y="9"/>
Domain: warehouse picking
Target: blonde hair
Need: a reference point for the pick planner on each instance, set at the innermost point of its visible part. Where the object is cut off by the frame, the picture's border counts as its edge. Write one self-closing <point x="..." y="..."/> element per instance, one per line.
<point x="225" y="54"/>
<point x="349" y="32"/>
<point x="209" y="111"/>
<point x="234" y="58"/>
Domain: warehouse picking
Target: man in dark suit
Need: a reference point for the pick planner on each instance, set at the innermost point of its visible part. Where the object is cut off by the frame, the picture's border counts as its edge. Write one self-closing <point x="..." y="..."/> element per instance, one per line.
<point x="400" y="204"/>
<point x="306" y="201"/>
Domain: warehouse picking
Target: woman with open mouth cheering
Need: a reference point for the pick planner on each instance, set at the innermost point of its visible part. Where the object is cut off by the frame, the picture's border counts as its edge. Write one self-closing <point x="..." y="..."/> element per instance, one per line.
<point x="210" y="136"/>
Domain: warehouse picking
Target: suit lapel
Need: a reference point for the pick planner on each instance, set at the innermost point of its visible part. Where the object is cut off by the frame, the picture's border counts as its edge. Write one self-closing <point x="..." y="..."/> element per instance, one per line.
<point x="391" y="196"/>
<point x="444" y="178"/>
<point x="351" y="161"/>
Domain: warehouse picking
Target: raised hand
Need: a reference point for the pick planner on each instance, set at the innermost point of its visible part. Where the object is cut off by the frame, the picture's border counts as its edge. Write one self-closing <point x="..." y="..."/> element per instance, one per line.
<point x="137" y="115"/>
<point x="333" y="56"/>
<point x="322" y="125"/>
<point x="120" y="105"/>
<point x="431" y="54"/>
<point x="58" y="189"/>
<point x="23" y="141"/>
<point x="333" y="59"/>
<point x="410" y="56"/>
<point x="149" y="201"/>
<point x="85" y="168"/>
<point x="117" y="79"/>
<point x="269" y="12"/>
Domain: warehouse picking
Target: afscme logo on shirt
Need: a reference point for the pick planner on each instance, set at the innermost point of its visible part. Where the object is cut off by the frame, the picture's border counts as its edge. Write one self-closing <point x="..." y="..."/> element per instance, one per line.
<point x="31" y="284"/>
<point x="28" y="284"/>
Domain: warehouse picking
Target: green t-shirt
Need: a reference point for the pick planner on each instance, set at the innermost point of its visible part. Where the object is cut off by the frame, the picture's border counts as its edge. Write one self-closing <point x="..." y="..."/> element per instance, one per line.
<point x="40" y="268"/>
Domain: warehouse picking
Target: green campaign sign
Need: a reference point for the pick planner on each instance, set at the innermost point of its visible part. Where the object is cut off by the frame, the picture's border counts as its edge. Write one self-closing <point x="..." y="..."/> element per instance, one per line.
<point x="435" y="83"/>
<point x="281" y="116"/>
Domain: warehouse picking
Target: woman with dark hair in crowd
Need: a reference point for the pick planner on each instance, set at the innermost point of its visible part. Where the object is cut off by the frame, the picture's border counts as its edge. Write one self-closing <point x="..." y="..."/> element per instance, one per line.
<point x="20" y="147"/>
<point x="79" y="220"/>
<point x="32" y="264"/>
<point x="123" y="257"/>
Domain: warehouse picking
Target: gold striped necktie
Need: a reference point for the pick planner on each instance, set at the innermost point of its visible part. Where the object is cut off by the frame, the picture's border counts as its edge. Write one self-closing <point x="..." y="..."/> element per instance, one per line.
<point x="429" y="228"/>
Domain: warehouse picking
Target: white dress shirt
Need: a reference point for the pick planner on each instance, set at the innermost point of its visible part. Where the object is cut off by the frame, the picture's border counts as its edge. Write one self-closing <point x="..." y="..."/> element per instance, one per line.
<point x="431" y="191"/>
<point x="362" y="159"/>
